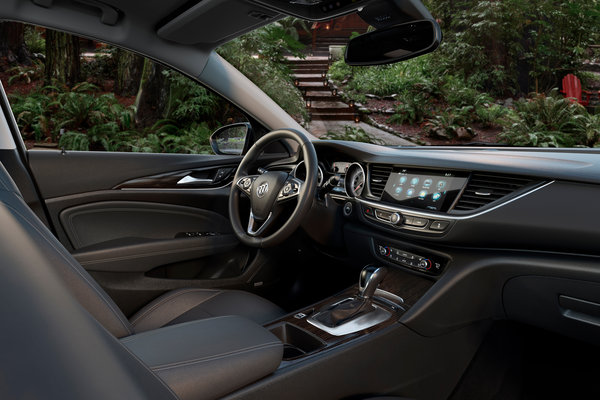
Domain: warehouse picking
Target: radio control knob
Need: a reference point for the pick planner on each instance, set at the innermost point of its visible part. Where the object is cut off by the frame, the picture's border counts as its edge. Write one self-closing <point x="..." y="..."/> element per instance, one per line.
<point x="425" y="264"/>
<point x="395" y="218"/>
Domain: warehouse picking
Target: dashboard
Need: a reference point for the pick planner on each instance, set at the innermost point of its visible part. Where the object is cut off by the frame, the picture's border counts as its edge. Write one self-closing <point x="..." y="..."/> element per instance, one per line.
<point x="492" y="198"/>
<point x="476" y="221"/>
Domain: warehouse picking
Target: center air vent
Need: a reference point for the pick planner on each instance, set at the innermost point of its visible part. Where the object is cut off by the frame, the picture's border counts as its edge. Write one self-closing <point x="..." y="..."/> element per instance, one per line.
<point x="378" y="176"/>
<point x="483" y="189"/>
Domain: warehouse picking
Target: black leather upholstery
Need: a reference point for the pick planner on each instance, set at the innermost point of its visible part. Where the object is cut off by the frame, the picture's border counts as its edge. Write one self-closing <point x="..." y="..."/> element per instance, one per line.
<point x="52" y="348"/>
<point x="210" y="358"/>
<point x="87" y="292"/>
<point x="173" y="307"/>
<point x="192" y="304"/>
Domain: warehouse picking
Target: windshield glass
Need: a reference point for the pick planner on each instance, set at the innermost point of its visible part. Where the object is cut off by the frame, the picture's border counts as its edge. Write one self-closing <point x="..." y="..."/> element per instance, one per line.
<point x="512" y="72"/>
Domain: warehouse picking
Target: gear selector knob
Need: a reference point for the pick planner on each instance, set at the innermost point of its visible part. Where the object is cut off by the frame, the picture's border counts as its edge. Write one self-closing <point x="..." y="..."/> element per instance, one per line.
<point x="370" y="277"/>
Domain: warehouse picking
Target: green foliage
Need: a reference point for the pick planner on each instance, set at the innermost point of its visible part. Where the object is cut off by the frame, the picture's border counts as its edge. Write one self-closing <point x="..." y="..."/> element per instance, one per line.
<point x="448" y="122"/>
<point x="74" y="141"/>
<point x="490" y="115"/>
<point x="550" y="121"/>
<point x="260" y="56"/>
<point x="93" y="121"/>
<point x="492" y="44"/>
<point x="101" y="67"/>
<point x="353" y="134"/>
<point x="34" y="41"/>
<point x="27" y="73"/>
<point x="188" y="101"/>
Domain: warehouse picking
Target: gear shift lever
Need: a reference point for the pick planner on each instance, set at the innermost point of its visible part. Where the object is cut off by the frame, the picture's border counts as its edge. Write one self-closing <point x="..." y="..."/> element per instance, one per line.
<point x="370" y="277"/>
<point x="354" y="313"/>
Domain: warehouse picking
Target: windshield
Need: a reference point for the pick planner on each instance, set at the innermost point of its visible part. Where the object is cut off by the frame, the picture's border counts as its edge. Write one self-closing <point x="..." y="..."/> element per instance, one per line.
<point x="512" y="72"/>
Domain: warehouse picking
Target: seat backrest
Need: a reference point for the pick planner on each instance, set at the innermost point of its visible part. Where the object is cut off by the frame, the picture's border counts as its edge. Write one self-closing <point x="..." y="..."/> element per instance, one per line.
<point x="83" y="287"/>
<point x="572" y="87"/>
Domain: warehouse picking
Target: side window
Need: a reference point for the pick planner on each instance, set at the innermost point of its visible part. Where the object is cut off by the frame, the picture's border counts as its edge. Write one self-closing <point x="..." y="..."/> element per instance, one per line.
<point x="77" y="94"/>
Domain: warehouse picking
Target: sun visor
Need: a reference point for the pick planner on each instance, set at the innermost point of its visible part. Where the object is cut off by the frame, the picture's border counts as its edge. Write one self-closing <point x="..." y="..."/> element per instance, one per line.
<point x="215" y="21"/>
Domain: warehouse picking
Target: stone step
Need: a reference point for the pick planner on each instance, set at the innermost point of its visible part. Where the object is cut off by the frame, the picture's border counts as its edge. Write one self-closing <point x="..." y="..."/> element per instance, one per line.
<point x="331" y="107"/>
<point x="332" y="117"/>
<point x="324" y="66"/>
<point x="320" y="96"/>
<point x="314" y="86"/>
<point x="301" y="77"/>
<point x="313" y="71"/>
<point x="308" y="61"/>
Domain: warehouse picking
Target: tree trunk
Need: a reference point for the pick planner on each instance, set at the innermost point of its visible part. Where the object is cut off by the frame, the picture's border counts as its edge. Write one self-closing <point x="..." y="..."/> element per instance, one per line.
<point x="12" y="43"/>
<point x="129" y="73"/>
<point x="62" y="59"/>
<point x="152" y="96"/>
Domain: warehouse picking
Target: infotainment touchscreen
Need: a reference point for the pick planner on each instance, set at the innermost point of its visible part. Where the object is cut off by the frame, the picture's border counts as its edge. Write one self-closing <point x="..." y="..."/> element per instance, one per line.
<point x="427" y="190"/>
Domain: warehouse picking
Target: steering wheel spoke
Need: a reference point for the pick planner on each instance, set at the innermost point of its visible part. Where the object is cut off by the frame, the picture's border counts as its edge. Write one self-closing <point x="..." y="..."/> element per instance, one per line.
<point x="245" y="184"/>
<point x="290" y="190"/>
<point x="256" y="227"/>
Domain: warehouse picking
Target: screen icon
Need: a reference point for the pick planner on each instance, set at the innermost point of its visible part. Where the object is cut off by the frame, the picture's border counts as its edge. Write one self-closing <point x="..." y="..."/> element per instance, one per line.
<point x="402" y="180"/>
<point x="436" y="196"/>
<point x="410" y="192"/>
<point x="398" y="190"/>
<point x="441" y="185"/>
<point x="422" y="194"/>
<point x="427" y="183"/>
<point x="414" y="181"/>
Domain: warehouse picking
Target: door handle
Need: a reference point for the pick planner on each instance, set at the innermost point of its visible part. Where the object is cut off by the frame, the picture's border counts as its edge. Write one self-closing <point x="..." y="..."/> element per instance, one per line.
<point x="188" y="179"/>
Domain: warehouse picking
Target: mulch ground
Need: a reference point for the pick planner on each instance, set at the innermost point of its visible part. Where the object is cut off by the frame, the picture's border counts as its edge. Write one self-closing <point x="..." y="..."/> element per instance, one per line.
<point x="417" y="134"/>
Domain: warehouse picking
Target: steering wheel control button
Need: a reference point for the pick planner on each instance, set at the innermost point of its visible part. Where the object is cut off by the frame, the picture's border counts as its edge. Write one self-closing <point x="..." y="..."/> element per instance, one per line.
<point x="439" y="225"/>
<point x="287" y="189"/>
<point x="426" y="264"/>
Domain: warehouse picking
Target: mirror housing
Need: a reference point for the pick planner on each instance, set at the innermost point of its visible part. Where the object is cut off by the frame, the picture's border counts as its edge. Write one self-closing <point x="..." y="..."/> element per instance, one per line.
<point x="394" y="43"/>
<point x="231" y="139"/>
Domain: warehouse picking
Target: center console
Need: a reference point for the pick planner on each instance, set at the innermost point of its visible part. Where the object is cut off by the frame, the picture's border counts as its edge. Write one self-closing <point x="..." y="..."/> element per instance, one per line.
<point x="380" y="298"/>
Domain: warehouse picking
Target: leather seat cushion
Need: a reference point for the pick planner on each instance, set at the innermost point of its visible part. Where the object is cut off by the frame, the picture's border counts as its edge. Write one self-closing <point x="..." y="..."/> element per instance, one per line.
<point x="185" y="305"/>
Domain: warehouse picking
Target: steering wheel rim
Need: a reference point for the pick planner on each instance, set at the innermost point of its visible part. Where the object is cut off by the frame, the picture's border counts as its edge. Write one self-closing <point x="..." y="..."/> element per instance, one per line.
<point x="305" y="195"/>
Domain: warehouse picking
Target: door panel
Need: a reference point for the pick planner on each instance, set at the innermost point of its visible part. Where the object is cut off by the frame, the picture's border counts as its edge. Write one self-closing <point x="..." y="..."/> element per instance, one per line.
<point x="130" y="222"/>
<point x="107" y="223"/>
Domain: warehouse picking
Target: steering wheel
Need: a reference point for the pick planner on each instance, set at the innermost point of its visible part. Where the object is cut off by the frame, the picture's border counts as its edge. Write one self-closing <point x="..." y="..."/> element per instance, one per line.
<point x="270" y="190"/>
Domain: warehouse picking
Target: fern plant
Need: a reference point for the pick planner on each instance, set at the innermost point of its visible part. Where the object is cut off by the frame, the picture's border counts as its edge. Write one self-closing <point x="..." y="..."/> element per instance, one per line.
<point x="547" y="121"/>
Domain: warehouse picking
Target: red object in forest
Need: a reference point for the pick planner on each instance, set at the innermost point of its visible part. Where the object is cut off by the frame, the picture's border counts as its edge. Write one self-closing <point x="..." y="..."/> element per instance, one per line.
<point x="571" y="88"/>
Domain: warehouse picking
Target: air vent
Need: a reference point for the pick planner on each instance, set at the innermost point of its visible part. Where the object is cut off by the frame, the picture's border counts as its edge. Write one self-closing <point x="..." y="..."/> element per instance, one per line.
<point x="483" y="189"/>
<point x="378" y="176"/>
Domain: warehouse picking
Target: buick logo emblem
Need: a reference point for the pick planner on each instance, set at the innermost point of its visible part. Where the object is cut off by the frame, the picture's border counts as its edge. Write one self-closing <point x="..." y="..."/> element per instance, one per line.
<point x="262" y="189"/>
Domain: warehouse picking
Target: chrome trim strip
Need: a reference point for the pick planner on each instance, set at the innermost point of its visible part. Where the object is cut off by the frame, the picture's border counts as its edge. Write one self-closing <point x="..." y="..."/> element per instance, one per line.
<point x="151" y="189"/>
<point x="389" y="296"/>
<point x="417" y="213"/>
<point x="348" y="174"/>
<point x="365" y="321"/>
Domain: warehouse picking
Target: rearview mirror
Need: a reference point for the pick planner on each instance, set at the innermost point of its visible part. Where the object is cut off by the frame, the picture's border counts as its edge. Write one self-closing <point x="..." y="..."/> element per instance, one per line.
<point x="394" y="43"/>
<point x="231" y="139"/>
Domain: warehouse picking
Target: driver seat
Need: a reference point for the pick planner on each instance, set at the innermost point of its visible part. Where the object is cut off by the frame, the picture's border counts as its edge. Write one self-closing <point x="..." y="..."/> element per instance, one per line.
<point x="174" y="307"/>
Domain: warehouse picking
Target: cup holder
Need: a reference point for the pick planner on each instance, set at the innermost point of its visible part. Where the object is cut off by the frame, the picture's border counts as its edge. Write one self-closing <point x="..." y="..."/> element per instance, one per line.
<point x="296" y="341"/>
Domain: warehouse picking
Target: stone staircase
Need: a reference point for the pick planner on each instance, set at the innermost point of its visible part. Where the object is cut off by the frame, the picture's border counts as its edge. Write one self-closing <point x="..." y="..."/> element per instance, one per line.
<point x="322" y="101"/>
